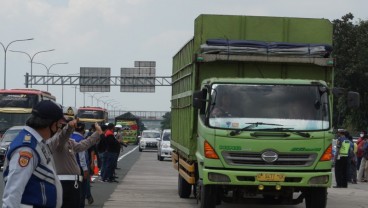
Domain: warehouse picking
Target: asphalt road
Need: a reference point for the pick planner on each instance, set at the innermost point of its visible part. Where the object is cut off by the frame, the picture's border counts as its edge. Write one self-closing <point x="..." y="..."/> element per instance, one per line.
<point x="101" y="192"/>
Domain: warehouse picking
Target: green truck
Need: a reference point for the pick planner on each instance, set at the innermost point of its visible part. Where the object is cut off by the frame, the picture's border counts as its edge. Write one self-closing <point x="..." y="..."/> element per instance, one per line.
<point x="129" y="125"/>
<point x="252" y="110"/>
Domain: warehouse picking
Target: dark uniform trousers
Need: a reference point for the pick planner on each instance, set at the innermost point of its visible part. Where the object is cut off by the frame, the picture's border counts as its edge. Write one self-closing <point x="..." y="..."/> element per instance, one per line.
<point x="341" y="172"/>
<point x="71" y="193"/>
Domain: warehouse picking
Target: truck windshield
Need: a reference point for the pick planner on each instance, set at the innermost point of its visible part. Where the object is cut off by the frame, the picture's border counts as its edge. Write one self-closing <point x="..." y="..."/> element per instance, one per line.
<point x="296" y="107"/>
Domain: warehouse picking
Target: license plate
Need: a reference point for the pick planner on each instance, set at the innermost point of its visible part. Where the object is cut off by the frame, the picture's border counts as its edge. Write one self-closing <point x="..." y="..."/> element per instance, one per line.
<point x="270" y="177"/>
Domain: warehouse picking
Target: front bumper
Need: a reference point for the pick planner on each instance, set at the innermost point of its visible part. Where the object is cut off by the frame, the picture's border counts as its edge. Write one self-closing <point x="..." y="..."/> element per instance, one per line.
<point x="292" y="179"/>
<point x="148" y="145"/>
<point x="166" y="153"/>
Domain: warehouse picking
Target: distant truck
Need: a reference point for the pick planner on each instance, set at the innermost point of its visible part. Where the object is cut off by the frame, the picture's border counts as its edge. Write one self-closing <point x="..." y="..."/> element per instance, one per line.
<point x="130" y="127"/>
<point x="251" y="110"/>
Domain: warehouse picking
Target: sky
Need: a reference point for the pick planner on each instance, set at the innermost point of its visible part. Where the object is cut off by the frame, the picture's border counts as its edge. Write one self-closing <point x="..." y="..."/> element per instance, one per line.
<point x="115" y="33"/>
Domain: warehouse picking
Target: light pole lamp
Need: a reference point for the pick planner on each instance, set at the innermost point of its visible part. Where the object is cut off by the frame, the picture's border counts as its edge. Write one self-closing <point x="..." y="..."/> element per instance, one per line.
<point x="5" y="50"/>
<point x="32" y="57"/>
<point x="49" y="68"/>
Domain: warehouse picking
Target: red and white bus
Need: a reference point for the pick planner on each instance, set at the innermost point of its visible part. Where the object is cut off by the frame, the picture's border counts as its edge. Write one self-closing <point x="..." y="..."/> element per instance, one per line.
<point x="90" y="115"/>
<point x="16" y="105"/>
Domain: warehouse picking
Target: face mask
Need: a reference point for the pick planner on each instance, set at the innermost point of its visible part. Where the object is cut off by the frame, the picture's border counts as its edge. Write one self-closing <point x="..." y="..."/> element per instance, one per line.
<point x="361" y="135"/>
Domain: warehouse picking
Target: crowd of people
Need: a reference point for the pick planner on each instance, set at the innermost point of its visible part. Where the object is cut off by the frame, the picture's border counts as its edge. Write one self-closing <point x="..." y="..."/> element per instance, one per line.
<point x="56" y="156"/>
<point x="350" y="159"/>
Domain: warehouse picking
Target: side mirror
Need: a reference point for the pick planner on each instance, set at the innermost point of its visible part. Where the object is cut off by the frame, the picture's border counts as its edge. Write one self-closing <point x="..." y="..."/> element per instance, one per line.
<point x="353" y="99"/>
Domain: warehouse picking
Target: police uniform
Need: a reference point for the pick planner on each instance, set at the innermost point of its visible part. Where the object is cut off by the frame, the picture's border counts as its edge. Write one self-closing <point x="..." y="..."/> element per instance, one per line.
<point x="29" y="173"/>
<point x="341" y="162"/>
<point x="67" y="166"/>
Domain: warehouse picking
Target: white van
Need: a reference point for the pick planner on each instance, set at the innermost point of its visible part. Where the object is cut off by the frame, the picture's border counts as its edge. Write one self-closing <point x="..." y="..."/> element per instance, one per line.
<point x="164" y="149"/>
<point x="149" y="140"/>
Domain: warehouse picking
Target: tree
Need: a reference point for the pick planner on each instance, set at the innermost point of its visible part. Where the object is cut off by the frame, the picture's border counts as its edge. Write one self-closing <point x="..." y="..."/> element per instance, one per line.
<point x="166" y="123"/>
<point x="350" y="42"/>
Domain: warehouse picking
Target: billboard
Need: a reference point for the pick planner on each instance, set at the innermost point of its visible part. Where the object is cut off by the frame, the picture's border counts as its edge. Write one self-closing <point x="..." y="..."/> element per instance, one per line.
<point x="137" y="79"/>
<point x="94" y="79"/>
<point x="139" y="64"/>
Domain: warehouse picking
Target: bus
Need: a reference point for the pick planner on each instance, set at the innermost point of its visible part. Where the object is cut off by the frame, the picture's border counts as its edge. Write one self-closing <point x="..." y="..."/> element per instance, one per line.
<point x="90" y="115"/>
<point x="16" y="105"/>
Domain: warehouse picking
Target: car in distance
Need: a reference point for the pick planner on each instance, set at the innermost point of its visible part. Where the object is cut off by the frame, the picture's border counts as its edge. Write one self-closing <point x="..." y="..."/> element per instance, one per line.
<point x="164" y="149"/>
<point x="149" y="140"/>
<point x="6" y="139"/>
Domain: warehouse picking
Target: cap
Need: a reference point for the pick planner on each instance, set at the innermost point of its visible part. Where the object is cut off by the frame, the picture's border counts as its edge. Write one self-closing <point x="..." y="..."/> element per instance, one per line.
<point x="118" y="126"/>
<point x="48" y="109"/>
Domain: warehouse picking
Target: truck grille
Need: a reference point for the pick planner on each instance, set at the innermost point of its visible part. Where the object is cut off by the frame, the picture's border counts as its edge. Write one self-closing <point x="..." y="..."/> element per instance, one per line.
<point x="255" y="159"/>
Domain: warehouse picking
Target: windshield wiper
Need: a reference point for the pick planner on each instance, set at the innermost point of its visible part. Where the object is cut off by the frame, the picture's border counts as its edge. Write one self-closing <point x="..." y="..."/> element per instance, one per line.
<point x="252" y="125"/>
<point x="303" y="134"/>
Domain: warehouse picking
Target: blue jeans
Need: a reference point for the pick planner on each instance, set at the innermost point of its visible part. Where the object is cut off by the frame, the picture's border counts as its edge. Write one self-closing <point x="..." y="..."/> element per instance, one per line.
<point x="108" y="166"/>
<point x="102" y="163"/>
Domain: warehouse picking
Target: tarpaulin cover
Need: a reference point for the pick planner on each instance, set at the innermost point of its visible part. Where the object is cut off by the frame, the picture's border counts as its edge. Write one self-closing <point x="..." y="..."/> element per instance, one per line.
<point x="223" y="46"/>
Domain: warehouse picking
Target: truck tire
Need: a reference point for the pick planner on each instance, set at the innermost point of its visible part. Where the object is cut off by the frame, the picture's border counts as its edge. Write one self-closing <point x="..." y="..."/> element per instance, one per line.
<point x="161" y="158"/>
<point x="184" y="188"/>
<point x="207" y="198"/>
<point x="316" y="197"/>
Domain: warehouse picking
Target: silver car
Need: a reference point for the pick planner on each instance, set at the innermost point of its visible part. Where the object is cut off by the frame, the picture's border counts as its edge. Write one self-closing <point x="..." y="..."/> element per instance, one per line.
<point x="6" y="139"/>
<point x="164" y="149"/>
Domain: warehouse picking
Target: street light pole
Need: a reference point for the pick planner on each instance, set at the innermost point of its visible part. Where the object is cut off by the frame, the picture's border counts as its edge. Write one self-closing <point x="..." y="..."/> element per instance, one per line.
<point x="92" y="96"/>
<point x="5" y="50"/>
<point x="98" y="99"/>
<point x="49" y="68"/>
<point x="106" y="102"/>
<point x="62" y="86"/>
<point x="32" y="57"/>
<point x="113" y="104"/>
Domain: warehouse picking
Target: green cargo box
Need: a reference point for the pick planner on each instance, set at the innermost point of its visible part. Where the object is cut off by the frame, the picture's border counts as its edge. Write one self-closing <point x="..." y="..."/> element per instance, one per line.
<point x="190" y="67"/>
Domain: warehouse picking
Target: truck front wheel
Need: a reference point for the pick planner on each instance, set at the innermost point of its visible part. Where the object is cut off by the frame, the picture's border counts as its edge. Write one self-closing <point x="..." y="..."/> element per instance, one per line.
<point x="184" y="188"/>
<point x="316" y="197"/>
<point x="207" y="197"/>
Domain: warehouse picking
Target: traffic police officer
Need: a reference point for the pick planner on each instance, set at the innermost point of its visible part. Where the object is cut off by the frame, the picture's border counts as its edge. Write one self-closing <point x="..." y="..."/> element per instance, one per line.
<point x="29" y="169"/>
